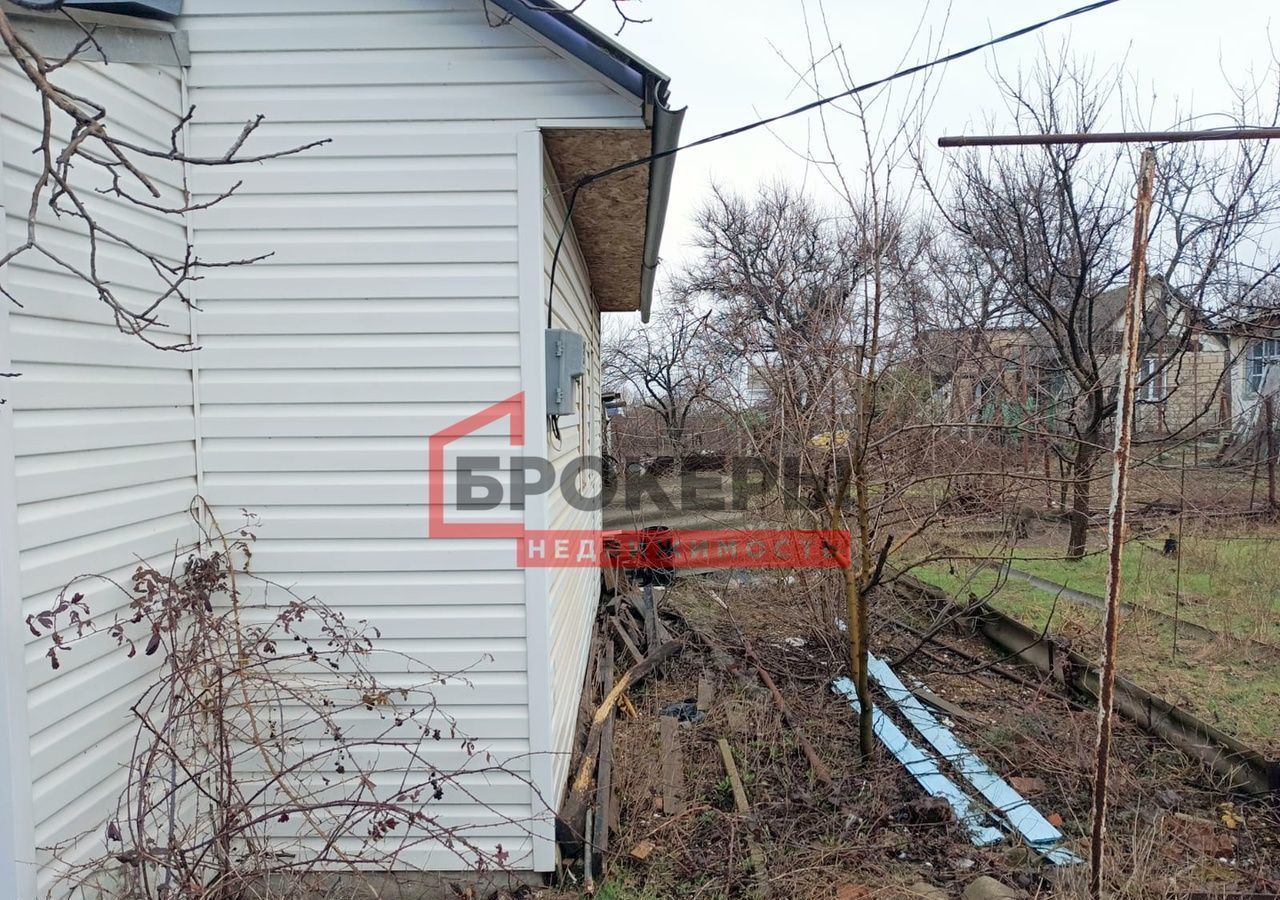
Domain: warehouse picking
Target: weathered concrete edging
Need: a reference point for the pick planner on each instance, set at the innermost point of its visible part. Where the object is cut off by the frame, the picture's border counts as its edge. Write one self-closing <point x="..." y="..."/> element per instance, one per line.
<point x="1239" y="765"/>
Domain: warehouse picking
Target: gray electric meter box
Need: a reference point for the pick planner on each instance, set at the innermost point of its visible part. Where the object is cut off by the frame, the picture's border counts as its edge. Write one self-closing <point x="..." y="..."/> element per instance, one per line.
<point x="566" y="363"/>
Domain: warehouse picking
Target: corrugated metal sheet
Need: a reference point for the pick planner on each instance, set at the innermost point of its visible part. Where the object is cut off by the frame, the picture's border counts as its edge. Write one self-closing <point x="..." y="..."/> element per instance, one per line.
<point x="104" y="451"/>
<point x="574" y="592"/>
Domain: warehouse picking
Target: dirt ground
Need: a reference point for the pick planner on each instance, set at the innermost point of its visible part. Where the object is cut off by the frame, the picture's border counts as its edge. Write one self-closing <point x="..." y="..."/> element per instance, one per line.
<point x="874" y="833"/>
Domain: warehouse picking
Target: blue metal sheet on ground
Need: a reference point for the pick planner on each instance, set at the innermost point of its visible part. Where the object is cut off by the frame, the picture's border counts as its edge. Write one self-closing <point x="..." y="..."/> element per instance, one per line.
<point x="1038" y="832"/>
<point x="924" y="770"/>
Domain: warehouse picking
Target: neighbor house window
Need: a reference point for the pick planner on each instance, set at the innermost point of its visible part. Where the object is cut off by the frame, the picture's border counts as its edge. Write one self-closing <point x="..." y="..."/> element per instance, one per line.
<point x="1261" y="354"/>
<point x="1151" y="381"/>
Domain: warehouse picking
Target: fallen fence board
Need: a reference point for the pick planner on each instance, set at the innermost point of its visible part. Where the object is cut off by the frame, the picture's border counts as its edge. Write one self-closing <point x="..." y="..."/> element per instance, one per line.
<point x="672" y="766"/>
<point x="1243" y="767"/>
<point x="743" y="807"/>
<point x="924" y="770"/>
<point x="1087" y="599"/>
<point x="1008" y="803"/>
<point x="706" y="691"/>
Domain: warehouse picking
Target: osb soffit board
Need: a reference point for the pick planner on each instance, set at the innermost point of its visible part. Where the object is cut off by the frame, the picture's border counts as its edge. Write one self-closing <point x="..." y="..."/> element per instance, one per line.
<point x="609" y="218"/>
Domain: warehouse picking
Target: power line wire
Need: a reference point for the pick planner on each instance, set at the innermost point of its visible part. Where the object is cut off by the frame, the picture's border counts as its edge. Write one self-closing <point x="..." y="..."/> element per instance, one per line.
<point x="812" y="105"/>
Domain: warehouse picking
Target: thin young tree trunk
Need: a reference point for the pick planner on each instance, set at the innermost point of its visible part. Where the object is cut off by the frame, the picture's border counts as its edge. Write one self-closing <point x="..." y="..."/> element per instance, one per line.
<point x="856" y="613"/>
<point x="1081" y="485"/>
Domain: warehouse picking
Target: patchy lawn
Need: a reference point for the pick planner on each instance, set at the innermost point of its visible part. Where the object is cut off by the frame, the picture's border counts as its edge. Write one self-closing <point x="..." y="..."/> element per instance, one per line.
<point x="1229" y="584"/>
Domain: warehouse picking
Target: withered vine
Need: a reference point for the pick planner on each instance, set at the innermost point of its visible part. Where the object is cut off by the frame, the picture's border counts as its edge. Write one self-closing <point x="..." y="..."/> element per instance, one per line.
<point x="267" y="751"/>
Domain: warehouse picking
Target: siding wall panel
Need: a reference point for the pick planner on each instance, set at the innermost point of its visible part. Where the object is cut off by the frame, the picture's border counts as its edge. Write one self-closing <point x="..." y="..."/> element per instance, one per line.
<point x="388" y="311"/>
<point x="103" y="445"/>
<point x="574" y="592"/>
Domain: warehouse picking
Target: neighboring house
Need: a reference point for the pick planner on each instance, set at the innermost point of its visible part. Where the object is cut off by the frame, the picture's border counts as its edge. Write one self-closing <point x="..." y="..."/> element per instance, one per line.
<point x="751" y="382"/>
<point x="1009" y="374"/>
<point x="408" y="290"/>
<point x="986" y="375"/>
<point x="1255" y="367"/>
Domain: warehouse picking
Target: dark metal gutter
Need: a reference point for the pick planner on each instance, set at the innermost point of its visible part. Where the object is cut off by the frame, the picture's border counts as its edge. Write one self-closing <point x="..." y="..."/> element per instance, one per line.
<point x="649" y="84"/>
<point x="147" y="9"/>
<point x="666" y="137"/>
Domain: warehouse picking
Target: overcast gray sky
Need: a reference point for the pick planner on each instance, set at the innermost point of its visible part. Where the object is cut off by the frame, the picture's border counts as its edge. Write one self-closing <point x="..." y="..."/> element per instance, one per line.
<point x="723" y="59"/>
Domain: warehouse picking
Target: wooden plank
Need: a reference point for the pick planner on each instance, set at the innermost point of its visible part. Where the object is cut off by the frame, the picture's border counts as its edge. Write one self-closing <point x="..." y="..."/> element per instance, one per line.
<point x="626" y="640"/>
<point x="605" y="812"/>
<point x="744" y="808"/>
<point x="649" y="608"/>
<point x="706" y="691"/>
<point x="673" y="802"/>
<point x="946" y="706"/>
<point x="576" y="800"/>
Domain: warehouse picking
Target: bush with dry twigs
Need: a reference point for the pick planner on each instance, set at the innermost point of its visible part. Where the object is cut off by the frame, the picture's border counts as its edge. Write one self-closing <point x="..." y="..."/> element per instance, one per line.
<point x="254" y="768"/>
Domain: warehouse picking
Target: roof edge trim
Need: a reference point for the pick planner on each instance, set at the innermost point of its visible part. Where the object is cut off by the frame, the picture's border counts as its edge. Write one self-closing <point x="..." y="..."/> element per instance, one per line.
<point x="591" y="46"/>
<point x="612" y="60"/>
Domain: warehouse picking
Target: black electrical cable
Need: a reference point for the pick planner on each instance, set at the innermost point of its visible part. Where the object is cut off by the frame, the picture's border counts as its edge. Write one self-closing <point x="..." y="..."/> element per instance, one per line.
<point x="814" y="104"/>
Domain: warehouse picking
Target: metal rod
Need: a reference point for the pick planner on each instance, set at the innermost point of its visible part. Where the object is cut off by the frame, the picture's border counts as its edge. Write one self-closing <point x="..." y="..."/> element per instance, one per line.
<point x="1133" y="316"/>
<point x="1111" y="137"/>
<point x="1177" y="584"/>
<point x="1270" y="444"/>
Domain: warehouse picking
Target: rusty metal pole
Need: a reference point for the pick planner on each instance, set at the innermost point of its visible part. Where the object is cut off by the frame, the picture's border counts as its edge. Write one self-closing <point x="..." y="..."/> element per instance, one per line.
<point x="1177" y="584"/>
<point x="1270" y="445"/>
<point x="1133" y="316"/>
<point x="1248" y="133"/>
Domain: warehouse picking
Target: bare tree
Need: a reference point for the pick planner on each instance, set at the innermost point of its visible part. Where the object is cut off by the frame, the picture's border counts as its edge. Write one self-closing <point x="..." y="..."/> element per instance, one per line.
<point x="820" y="300"/>
<point x="1049" y="227"/>
<point x="668" y="367"/>
<point x="83" y="159"/>
<point x="777" y="269"/>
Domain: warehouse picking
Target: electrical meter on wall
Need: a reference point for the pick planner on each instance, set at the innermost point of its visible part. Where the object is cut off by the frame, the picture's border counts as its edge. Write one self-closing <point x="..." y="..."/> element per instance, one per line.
<point x="566" y="364"/>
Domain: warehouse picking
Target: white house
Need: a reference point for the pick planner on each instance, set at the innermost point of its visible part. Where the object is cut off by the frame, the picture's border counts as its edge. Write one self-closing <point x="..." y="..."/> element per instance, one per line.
<point x="408" y="289"/>
<point x="1254" y="368"/>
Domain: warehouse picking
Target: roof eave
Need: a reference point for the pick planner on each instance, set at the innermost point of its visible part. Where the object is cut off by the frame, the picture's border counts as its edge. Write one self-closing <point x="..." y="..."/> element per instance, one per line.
<point x="591" y="46"/>
<point x="612" y="60"/>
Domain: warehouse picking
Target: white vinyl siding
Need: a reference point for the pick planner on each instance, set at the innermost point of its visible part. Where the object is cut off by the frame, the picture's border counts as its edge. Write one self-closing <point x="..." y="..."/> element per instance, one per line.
<point x="103" y="441"/>
<point x="574" y="592"/>
<point x="388" y="311"/>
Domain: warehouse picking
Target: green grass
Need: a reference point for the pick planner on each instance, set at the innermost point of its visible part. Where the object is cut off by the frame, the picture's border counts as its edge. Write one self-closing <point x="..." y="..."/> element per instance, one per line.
<point x="1228" y="584"/>
<point x="616" y="889"/>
